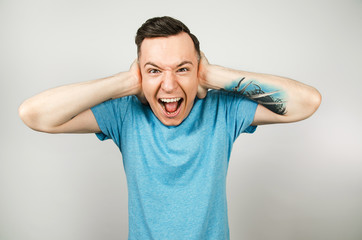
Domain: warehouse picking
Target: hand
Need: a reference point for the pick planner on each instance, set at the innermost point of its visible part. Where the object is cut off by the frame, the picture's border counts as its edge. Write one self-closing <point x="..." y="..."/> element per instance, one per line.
<point x="135" y="70"/>
<point x="203" y="65"/>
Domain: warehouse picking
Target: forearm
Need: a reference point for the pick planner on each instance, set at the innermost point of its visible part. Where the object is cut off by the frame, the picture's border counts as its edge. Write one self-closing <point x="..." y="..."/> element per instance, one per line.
<point x="291" y="99"/>
<point x="56" y="106"/>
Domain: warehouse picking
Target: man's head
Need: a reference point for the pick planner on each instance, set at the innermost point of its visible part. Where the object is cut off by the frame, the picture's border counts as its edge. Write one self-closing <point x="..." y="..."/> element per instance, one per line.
<point x="168" y="57"/>
<point x="163" y="27"/>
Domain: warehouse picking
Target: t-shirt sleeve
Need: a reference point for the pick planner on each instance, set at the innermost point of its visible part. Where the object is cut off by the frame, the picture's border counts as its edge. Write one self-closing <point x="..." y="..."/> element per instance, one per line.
<point x="241" y="112"/>
<point x="109" y="116"/>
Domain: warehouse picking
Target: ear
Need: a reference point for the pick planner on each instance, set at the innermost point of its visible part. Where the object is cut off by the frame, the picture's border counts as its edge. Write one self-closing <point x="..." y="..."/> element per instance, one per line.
<point x="203" y="63"/>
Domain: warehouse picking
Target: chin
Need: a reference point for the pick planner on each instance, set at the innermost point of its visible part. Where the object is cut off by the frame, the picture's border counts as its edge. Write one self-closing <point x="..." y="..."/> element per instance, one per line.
<point x="171" y="118"/>
<point x="174" y="118"/>
<point x="171" y="122"/>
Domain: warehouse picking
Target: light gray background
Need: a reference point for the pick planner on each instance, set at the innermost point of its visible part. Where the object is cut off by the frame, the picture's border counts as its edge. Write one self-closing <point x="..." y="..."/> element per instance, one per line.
<point x="297" y="181"/>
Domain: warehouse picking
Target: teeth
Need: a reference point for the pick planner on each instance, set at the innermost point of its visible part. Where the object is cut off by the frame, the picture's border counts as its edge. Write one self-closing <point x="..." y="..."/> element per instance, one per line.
<point x="167" y="100"/>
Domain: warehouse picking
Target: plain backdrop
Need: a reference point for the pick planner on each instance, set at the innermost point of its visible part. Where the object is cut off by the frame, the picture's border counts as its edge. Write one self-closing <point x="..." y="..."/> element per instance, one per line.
<point x="286" y="182"/>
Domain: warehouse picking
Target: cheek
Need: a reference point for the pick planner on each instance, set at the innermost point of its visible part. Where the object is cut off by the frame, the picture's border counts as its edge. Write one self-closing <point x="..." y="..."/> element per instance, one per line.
<point x="192" y="87"/>
<point x="149" y="88"/>
<point x="145" y="88"/>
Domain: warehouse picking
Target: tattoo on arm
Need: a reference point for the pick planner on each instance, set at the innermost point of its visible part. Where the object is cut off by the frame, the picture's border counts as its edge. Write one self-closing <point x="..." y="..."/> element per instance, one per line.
<point x="270" y="98"/>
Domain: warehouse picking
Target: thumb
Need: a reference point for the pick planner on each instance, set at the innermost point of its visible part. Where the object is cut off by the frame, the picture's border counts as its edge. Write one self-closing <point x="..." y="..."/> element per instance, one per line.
<point x="141" y="97"/>
<point x="201" y="92"/>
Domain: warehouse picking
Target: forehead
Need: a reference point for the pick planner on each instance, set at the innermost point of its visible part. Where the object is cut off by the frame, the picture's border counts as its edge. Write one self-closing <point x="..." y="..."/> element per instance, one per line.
<point x="168" y="50"/>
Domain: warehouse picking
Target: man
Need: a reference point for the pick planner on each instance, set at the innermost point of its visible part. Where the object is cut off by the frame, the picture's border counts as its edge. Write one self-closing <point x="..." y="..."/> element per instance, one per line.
<point x="175" y="136"/>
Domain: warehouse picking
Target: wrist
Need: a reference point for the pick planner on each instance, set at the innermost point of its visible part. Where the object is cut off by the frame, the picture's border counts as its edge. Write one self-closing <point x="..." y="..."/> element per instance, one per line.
<point x="218" y="77"/>
<point x="207" y="77"/>
<point x="125" y="84"/>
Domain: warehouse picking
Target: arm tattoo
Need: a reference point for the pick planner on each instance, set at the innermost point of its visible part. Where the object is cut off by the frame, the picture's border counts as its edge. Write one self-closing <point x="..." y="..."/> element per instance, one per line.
<point x="270" y="98"/>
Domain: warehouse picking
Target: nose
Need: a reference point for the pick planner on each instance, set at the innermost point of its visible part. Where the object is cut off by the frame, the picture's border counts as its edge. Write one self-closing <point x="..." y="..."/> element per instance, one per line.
<point x="169" y="82"/>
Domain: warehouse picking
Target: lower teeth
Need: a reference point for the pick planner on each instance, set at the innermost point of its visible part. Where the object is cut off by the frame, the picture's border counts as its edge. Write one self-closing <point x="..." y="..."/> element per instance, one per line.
<point x="163" y="106"/>
<point x="169" y="112"/>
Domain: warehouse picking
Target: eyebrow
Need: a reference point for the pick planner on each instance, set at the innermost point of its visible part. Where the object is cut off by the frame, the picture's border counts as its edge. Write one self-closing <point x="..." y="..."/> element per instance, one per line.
<point x="179" y="65"/>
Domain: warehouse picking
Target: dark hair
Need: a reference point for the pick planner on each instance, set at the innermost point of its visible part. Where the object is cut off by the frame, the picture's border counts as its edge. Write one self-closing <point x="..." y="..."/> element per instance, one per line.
<point x="163" y="27"/>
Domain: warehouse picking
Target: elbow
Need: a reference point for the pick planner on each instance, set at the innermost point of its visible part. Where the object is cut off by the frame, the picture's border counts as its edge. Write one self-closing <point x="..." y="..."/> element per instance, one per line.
<point x="313" y="103"/>
<point x="34" y="118"/>
<point x="307" y="107"/>
<point x="316" y="100"/>
<point x="29" y="116"/>
<point x="26" y="114"/>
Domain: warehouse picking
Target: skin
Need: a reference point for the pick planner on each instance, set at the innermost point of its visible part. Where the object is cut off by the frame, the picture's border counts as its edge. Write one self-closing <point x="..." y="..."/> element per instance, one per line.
<point x="301" y="100"/>
<point x="169" y="69"/>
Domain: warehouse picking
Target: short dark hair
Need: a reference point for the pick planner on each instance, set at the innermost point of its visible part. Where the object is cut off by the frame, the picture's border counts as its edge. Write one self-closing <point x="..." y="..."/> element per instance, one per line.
<point x="163" y="27"/>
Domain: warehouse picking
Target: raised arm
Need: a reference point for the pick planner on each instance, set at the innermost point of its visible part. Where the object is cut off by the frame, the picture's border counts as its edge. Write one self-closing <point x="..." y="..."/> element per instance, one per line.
<point x="281" y="100"/>
<point x="66" y="109"/>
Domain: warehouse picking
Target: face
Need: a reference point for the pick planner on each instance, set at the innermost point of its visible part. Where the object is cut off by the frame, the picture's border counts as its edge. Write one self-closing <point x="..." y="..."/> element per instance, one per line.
<point x="169" y="69"/>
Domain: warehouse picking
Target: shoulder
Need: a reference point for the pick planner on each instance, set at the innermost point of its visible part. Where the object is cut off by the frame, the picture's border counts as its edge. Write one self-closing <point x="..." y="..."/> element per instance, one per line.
<point x="230" y="101"/>
<point x="217" y="100"/>
<point x="226" y="96"/>
<point x="118" y="106"/>
<point x="121" y="102"/>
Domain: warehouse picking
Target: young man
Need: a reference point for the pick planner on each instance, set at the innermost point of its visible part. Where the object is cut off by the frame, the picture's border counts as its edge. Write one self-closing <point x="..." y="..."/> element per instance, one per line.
<point x="175" y="136"/>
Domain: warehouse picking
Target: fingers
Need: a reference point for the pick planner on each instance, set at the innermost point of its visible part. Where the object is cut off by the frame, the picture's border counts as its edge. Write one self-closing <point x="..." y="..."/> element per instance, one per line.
<point x="135" y="70"/>
<point x="203" y="58"/>
<point x="202" y="90"/>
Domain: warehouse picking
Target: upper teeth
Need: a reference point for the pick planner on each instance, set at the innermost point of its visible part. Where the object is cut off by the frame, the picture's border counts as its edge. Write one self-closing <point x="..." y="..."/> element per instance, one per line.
<point x="170" y="99"/>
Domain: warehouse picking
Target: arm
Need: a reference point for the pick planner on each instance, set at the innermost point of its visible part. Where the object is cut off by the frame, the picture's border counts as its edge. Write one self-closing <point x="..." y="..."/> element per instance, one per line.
<point x="281" y="100"/>
<point x="66" y="109"/>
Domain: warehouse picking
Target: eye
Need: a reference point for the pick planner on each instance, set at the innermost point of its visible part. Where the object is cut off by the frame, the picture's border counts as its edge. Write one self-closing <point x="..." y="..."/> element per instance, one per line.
<point x="183" y="69"/>
<point x="153" y="71"/>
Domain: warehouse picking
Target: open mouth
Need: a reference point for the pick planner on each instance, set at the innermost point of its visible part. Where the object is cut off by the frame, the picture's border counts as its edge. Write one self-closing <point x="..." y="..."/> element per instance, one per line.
<point x="170" y="106"/>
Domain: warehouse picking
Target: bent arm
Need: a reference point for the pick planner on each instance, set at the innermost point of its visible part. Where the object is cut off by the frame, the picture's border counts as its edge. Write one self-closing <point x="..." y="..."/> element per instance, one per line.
<point x="281" y="100"/>
<point x="66" y="109"/>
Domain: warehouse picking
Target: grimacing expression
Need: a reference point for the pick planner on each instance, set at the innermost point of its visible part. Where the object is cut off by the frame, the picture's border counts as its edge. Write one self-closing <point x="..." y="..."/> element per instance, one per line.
<point x="169" y="69"/>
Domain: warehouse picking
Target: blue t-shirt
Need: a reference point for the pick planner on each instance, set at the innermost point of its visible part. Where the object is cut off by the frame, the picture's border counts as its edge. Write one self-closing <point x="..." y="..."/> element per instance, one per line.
<point x="176" y="175"/>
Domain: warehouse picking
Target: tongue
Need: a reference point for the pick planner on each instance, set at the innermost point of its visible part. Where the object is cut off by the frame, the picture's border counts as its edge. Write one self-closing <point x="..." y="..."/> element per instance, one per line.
<point x="171" y="107"/>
